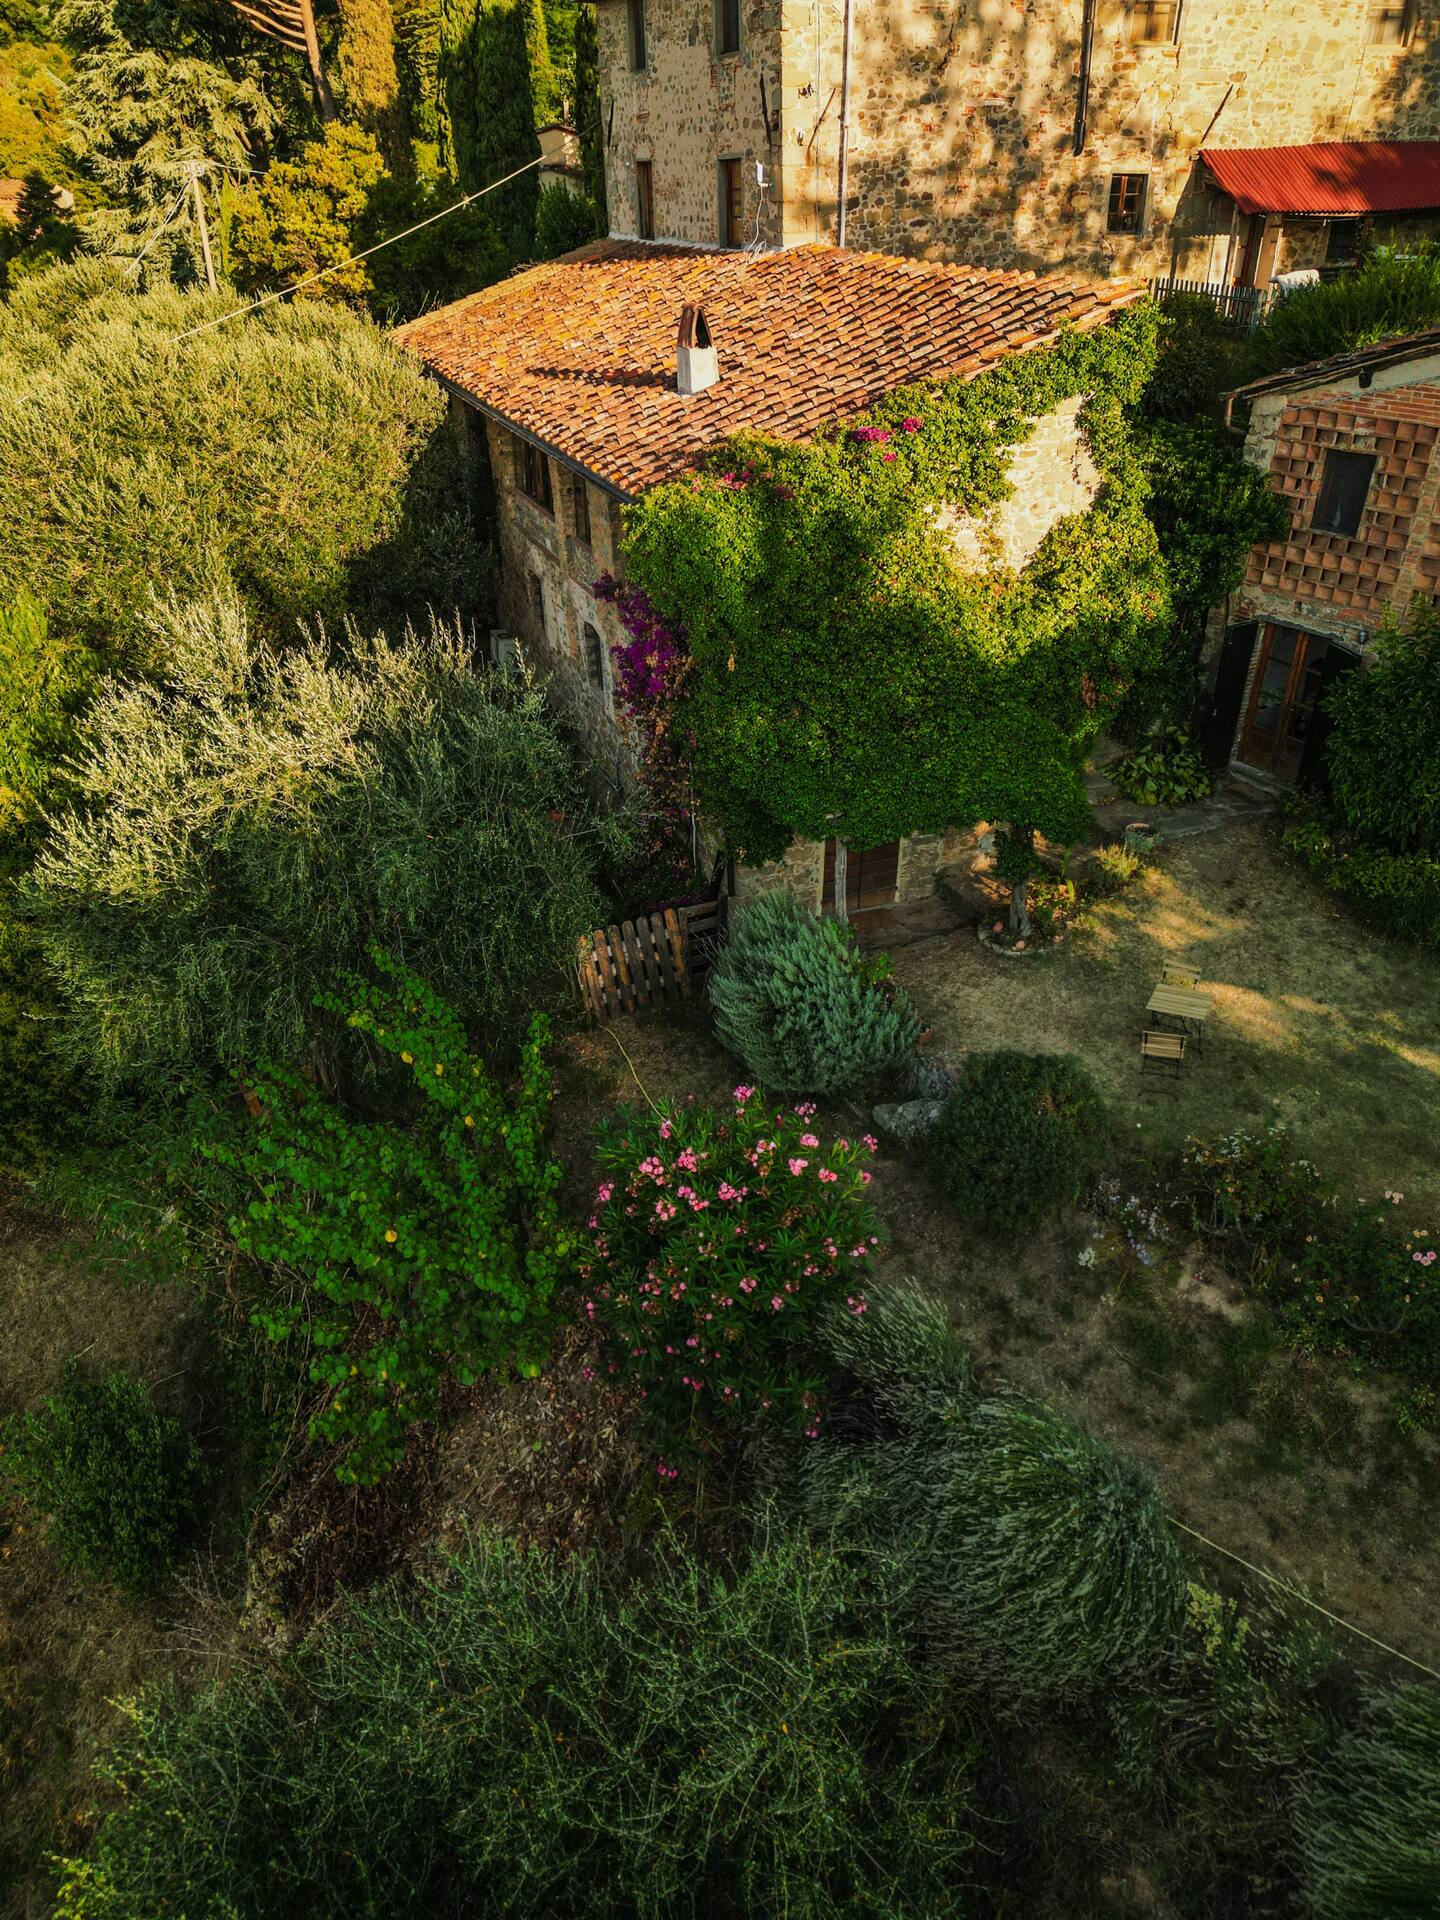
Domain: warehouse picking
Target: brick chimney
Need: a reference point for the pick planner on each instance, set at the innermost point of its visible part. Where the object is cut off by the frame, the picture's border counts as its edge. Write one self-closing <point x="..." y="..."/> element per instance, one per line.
<point x="696" y="365"/>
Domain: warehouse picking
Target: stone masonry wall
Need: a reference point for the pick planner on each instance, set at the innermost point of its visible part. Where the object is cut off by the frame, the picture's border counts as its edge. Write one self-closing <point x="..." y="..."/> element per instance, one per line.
<point x="547" y="576"/>
<point x="1052" y="475"/>
<point x="963" y="115"/>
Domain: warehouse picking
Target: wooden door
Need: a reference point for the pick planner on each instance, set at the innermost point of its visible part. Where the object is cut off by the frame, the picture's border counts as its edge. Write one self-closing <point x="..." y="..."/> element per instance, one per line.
<point x="1289" y="678"/>
<point x="870" y="877"/>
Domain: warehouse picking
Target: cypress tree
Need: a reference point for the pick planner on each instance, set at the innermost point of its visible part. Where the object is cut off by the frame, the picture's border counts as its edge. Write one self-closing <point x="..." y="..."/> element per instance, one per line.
<point x="487" y="106"/>
<point x="369" y="83"/>
<point x="588" y="121"/>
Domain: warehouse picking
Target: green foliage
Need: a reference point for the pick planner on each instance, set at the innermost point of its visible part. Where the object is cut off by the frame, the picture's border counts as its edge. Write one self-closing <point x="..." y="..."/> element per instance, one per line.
<point x="32" y="108"/>
<point x="488" y="90"/>
<point x="1032" y="1560"/>
<point x="118" y="1479"/>
<point x="717" y="1240"/>
<point x="41" y="1100"/>
<point x="369" y="85"/>
<point x="45" y="681"/>
<point x="1169" y="771"/>
<point x="146" y="99"/>
<point x="1018" y="1137"/>
<point x="417" y="54"/>
<point x="588" y="110"/>
<point x="1209" y="507"/>
<point x="564" y="220"/>
<point x="304" y="215"/>
<point x="916" y="694"/>
<point x="277" y="453"/>
<point x="522" y="1737"/>
<point x="1341" y="1274"/>
<point x="795" y="1001"/>
<point x="251" y="821"/>
<point x="1112" y="869"/>
<point x="1391" y="293"/>
<point x="1368" y="1818"/>
<point x="429" y="1251"/>
<point x="1376" y="840"/>
<point x="1199" y="359"/>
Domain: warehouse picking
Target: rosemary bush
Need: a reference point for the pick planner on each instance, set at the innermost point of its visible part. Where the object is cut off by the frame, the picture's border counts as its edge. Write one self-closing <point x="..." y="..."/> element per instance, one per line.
<point x="798" y="1005"/>
<point x="1370" y="1817"/>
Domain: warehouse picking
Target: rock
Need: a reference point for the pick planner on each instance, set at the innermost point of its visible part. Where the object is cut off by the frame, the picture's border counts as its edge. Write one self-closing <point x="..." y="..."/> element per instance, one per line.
<point x="904" y="1122"/>
<point x="923" y="1080"/>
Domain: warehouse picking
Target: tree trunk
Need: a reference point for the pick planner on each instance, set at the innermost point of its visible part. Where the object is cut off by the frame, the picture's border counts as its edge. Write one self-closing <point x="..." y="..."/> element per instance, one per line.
<point x="324" y="98"/>
<point x="842" y="906"/>
<point x="1020" y="908"/>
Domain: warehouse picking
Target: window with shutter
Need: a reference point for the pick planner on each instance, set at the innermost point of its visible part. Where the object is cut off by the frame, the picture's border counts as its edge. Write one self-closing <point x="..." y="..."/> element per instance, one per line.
<point x="644" y="199"/>
<point x="1392" y="22"/>
<point x="1344" y="487"/>
<point x="637" y="36"/>
<point x="1127" y="202"/>
<point x="730" y="208"/>
<point x="727" y="26"/>
<point x="533" y="472"/>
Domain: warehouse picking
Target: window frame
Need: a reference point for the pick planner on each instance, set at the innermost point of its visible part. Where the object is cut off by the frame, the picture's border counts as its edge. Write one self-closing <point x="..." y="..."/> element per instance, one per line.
<point x="636" y="37"/>
<point x="537" y="603"/>
<point x="645" y="198"/>
<point x="593" y="650"/>
<point x="727" y="13"/>
<point x="729" y="201"/>
<point x="1382" y="11"/>
<point x="1335" y="488"/>
<point x="581" y="527"/>
<point x="1172" y="39"/>
<point x="1116" y="196"/>
<point x="531" y="460"/>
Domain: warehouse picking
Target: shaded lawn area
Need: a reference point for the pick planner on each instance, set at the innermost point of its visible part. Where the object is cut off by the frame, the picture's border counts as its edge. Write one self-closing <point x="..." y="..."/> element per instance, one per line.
<point x="1317" y="1022"/>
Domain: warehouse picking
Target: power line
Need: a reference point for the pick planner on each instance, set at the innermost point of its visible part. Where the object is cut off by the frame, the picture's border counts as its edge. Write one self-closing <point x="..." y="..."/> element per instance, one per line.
<point x="338" y="266"/>
<point x="1304" y="1598"/>
<point x="179" y="201"/>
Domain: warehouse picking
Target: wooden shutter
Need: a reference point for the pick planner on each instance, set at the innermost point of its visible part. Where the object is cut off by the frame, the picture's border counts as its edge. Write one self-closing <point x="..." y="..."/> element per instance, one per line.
<point x="870" y="876"/>
<point x="1332" y="667"/>
<point x="1229" y="690"/>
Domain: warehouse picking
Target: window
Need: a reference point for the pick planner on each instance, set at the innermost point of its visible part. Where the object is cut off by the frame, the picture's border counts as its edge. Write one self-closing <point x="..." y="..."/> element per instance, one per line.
<point x="1391" y="23"/>
<point x="1152" y="23"/>
<point x="580" y="507"/>
<point x="644" y="200"/>
<point x="1342" y="243"/>
<point x="594" y="656"/>
<point x="1343" y="487"/>
<point x="637" y="36"/>
<point x="730" y="203"/>
<point x="535" y="474"/>
<point x="537" y="602"/>
<point x="1127" y="202"/>
<point x="727" y="26"/>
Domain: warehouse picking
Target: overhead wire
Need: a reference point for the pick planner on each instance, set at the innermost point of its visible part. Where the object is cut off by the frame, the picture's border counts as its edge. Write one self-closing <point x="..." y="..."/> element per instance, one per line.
<point x="179" y="202"/>
<point x="338" y="266"/>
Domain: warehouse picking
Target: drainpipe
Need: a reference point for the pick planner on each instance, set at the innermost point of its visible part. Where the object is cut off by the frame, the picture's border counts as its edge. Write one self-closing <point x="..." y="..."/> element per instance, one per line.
<point x="845" y="122"/>
<point x="1082" y="91"/>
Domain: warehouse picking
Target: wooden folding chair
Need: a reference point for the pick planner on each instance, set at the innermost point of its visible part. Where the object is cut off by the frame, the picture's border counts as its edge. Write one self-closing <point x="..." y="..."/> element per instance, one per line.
<point x="1164" y="1052"/>
<point x="1173" y="976"/>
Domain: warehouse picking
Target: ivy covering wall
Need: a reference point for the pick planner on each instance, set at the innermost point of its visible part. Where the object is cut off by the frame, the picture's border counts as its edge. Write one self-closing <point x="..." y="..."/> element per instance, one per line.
<point x="822" y="660"/>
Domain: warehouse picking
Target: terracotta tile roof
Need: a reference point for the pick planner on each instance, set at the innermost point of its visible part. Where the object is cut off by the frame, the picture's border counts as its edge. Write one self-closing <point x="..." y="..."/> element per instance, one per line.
<point x="580" y="353"/>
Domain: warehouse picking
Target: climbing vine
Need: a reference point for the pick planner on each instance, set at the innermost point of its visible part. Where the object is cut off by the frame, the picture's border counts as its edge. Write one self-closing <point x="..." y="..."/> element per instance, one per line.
<point x="824" y="662"/>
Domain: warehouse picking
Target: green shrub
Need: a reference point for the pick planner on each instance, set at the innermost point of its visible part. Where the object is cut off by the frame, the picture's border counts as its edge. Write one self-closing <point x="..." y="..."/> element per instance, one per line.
<point x="1018" y="1137"/>
<point x="118" y="1479"/>
<point x="717" y="1240"/>
<point x="1398" y="893"/>
<point x="249" y="826"/>
<point x="1389" y="294"/>
<point x="428" y="1251"/>
<point x="1199" y="358"/>
<point x="518" y="1736"/>
<point x="1370" y="1816"/>
<point x="1167" y="771"/>
<point x="1341" y="1274"/>
<point x="564" y="220"/>
<point x="1112" y="869"/>
<point x="797" y="1004"/>
<point x="1030" y="1558"/>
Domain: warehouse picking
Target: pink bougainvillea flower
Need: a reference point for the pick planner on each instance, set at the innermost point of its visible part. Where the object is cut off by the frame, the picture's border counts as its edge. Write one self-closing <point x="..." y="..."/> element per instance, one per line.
<point x="887" y="456"/>
<point x="912" y="425"/>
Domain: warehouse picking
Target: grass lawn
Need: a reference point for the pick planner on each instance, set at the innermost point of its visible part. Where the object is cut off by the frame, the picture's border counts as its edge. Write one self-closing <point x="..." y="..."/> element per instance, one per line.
<point x="1317" y="1023"/>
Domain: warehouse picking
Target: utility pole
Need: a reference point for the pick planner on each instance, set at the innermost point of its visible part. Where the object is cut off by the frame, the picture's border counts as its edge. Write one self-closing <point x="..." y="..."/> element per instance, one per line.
<point x="210" y="280"/>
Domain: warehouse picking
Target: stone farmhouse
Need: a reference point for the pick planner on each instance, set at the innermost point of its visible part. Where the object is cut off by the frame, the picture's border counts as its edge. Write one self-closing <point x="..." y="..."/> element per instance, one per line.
<point x="1351" y="446"/>
<point x="573" y="387"/>
<point x="1220" y="141"/>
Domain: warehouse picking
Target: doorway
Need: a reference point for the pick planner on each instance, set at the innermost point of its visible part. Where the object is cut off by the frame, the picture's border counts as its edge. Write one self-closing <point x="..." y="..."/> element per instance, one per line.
<point x="1290" y="675"/>
<point x="870" y="877"/>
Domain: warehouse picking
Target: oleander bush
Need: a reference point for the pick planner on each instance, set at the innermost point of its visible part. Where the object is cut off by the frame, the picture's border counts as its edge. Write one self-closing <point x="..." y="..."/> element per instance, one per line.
<point x="795" y="1001"/>
<point x="1370" y="1815"/>
<point x="117" y="1478"/>
<point x="1018" y="1137"/>
<point x="520" y="1734"/>
<point x="717" y="1241"/>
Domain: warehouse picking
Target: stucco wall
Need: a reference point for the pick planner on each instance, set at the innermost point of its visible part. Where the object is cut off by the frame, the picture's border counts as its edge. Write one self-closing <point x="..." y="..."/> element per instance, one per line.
<point x="963" y="116"/>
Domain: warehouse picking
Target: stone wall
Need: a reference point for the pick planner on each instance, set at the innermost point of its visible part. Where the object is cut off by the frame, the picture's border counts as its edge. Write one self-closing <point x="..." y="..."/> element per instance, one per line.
<point x="1051" y="474"/>
<point x="963" y="120"/>
<point x="547" y="577"/>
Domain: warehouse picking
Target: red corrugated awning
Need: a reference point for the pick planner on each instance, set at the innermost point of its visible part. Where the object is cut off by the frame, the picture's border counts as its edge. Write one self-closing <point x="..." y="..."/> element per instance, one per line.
<point x="1340" y="178"/>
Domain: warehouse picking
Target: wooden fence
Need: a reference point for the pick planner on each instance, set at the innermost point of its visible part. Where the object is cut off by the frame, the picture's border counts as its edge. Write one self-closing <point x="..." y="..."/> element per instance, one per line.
<point x="1243" y="307"/>
<point x="643" y="963"/>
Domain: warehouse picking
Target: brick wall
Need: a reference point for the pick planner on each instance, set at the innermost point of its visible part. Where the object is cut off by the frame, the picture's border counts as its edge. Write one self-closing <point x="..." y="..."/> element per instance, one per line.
<point x="1329" y="582"/>
<point x="963" y="114"/>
